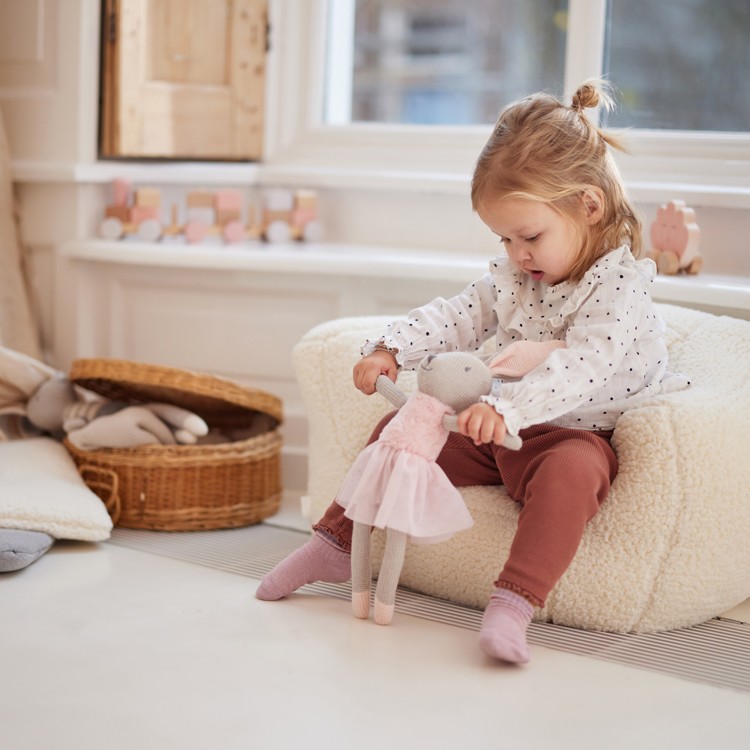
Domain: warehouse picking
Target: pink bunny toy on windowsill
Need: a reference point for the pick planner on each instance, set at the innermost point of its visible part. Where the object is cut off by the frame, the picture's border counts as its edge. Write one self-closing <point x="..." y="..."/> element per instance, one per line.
<point x="675" y="238"/>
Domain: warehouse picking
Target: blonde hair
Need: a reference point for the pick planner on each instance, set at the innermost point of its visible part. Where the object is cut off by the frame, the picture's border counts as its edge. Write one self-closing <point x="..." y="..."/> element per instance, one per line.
<point x="543" y="150"/>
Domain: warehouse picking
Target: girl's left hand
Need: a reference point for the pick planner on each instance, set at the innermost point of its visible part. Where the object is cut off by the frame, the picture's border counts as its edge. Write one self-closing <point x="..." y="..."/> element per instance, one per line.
<point x="482" y="424"/>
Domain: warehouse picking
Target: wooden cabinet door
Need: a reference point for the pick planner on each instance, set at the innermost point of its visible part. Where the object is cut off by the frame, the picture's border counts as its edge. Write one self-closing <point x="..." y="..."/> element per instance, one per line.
<point x="184" y="78"/>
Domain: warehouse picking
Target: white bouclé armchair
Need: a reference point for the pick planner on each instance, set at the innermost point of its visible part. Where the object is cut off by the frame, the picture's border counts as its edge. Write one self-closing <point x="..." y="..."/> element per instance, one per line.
<point x="671" y="545"/>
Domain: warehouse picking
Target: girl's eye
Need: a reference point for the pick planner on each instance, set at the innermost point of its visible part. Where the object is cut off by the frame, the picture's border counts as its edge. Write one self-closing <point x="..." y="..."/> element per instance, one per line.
<point x="532" y="239"/>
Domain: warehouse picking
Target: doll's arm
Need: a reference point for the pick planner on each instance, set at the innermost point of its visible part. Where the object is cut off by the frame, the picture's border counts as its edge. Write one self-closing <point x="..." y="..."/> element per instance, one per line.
<point x="186" y="426"/>
<point x="513" y="442"/>
<point x="134" y="425"/>
<point x="146" y="424"/>
<point x="391" y="391"/>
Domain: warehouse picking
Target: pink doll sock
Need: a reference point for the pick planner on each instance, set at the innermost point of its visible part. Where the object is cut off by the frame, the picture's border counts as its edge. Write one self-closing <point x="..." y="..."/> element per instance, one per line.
<point x="318" y="560"/>
<point x="504" y="624"/>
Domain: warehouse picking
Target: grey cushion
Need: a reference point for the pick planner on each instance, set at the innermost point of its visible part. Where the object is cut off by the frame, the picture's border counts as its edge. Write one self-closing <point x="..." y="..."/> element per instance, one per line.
<point x="20" y="548"/>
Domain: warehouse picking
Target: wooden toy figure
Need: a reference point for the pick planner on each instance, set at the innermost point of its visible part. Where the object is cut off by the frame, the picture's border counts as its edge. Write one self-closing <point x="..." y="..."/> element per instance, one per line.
<point x="290" y="215"/>
<point x="210" y="213"/>
<point x="674" y="238"/>
<point x="142" y="217"/>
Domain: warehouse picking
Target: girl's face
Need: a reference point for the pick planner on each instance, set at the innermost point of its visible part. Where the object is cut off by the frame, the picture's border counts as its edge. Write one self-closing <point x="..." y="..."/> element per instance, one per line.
<point x="539" y="241"/>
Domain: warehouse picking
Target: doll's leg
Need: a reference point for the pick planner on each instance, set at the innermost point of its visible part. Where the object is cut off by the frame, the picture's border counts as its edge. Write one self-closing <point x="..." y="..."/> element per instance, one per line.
<point x="390" y="572"/>
<point x="361" y="570"/>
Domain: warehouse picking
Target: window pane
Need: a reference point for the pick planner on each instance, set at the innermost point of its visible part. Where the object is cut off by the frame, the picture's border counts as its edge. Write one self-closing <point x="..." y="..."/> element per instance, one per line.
<point x="452" y="62"/>
<point x="680" y="64"/>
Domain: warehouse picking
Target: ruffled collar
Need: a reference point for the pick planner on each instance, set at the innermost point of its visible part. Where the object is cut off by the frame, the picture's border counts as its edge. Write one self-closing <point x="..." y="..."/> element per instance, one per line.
<point x="536" y="305"/>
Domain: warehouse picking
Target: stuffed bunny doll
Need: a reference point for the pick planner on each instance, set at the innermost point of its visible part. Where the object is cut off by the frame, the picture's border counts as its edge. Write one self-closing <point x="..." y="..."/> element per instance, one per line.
<point x="395" y="484"/>
<point x="57" y="408"/>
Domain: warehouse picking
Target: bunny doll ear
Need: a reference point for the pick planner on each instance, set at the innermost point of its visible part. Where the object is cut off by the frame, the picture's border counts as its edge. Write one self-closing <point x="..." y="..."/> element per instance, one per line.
<point x="522" y="357"/>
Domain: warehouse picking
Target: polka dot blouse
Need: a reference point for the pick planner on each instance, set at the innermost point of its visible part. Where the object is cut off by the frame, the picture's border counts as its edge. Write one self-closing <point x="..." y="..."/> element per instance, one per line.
<point x="615" y="354"/>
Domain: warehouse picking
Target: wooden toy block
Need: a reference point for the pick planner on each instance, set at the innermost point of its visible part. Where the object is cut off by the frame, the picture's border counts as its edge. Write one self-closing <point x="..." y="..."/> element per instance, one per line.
<point x="302" y="215"/>
<point x="199" y="199"/>
<point x="141" y="213"/>
<point x="148" y="197"/>
<point x="117" y="211"/>
<point x="228" y="200"/>
<point x="121" y="192"/>
<point x="306" y="199"/>
<point x="224" y="216"/>
<point x="270" y="216"/>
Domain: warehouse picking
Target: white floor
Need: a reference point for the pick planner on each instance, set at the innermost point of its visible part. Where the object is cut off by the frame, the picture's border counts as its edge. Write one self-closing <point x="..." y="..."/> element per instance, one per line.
<point x="106" y="647"/>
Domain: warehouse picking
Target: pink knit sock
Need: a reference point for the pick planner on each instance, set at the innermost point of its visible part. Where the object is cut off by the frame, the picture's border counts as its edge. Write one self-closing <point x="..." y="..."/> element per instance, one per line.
<point x="504" y="624"/>
<point x="318" y="560"/>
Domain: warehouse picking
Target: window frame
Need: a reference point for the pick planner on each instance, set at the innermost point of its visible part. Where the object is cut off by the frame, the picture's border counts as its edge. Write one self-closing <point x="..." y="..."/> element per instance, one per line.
<point x="704" y="168"/>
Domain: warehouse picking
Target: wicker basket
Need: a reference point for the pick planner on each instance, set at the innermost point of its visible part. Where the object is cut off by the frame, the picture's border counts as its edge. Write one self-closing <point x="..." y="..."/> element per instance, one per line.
<point x="184" y="487"/>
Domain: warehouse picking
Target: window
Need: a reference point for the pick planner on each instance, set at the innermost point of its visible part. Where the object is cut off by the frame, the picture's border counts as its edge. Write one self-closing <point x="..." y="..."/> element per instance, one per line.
<point x="419" y="62"/>
<point x="400" y="93"/>
<point x="678" y="65"/>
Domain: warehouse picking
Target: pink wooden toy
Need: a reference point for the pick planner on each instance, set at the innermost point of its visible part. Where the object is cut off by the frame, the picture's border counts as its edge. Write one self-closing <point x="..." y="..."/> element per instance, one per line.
<point x="675" y="238"/>
<point x="141" y="217"/>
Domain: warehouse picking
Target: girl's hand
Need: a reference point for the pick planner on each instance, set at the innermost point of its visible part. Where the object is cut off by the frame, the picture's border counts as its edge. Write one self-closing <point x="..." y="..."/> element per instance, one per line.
<point x="482" y="424"/>
<point x="371" y="367"/>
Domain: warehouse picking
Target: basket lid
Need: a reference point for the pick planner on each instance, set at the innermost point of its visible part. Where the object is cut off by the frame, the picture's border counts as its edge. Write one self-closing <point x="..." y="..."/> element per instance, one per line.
<point x="219" y="401"/>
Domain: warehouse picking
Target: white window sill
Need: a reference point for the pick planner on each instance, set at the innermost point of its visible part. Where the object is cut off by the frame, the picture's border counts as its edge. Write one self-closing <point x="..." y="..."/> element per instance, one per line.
<point x="209" y="174"/>
<point x="247" y="174"/>
<point x="728" y="294"/>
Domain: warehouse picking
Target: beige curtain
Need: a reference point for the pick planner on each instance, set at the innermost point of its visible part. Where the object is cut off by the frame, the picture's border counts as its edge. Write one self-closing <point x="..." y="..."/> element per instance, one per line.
<point x="18" y="329"/>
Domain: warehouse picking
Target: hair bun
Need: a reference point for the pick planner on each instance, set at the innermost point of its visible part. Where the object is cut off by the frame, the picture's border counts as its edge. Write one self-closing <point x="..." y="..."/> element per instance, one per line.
<point x="586" y="96"/>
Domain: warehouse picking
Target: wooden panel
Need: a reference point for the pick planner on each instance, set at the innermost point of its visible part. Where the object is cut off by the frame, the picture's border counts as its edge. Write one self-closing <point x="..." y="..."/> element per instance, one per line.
<point x="188" y="42"/>
<point x="28" y="44"/>
<point x="185" y="79"/>
<point x="248" y="71"/>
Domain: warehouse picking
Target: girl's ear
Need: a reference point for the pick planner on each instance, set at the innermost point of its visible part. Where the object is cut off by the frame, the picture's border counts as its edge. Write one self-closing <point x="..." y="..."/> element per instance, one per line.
<point x="593" y="205"/>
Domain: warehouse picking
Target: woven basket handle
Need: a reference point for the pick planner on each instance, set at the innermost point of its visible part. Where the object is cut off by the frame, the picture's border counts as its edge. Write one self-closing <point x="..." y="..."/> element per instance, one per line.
<point x="106" y="484"/>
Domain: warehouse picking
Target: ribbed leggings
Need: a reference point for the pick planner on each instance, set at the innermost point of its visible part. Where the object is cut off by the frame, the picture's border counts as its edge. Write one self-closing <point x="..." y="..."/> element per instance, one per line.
<point x="560" y="478"/>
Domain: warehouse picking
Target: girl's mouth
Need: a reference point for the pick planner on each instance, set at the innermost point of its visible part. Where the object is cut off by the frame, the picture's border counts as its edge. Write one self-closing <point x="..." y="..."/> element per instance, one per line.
<point x="536" y="275"/>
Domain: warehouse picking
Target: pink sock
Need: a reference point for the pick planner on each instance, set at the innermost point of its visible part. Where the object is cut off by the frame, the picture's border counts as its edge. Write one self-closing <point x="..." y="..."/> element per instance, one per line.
<point x="318" y="560"/>
<point x="504" y="624"/>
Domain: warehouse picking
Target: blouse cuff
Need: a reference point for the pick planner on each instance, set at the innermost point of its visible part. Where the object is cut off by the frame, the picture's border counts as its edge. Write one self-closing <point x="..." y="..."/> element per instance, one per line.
<point x="384" y="343"/>
<point x="507" y="411"/>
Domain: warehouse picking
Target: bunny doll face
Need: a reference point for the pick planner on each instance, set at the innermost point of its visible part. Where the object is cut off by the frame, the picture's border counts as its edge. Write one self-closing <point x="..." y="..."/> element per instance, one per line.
<point x="457" y="379"/>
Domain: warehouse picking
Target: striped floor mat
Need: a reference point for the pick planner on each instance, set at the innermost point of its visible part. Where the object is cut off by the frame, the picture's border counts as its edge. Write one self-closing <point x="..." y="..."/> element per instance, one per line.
<point x="716" y="652"/>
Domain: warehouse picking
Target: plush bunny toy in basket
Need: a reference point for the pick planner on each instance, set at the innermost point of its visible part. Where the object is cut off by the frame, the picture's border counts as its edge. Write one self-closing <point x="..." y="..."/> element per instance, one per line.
<point x="395" y="484"/>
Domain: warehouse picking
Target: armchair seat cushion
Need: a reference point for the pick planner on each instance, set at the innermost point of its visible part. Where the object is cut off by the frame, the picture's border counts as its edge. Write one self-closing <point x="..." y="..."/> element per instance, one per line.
<point x="671" y="545"/>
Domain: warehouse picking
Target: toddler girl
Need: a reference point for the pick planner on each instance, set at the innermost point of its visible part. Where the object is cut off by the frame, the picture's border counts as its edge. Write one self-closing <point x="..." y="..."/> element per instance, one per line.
<point x="546" y="185"/>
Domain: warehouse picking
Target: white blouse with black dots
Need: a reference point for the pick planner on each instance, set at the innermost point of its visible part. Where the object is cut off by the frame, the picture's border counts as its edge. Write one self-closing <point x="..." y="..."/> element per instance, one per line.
<point x="615" y="354"/>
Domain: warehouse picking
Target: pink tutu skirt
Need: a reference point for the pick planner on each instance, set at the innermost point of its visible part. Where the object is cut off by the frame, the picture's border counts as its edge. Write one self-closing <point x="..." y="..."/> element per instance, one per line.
<point x="397" y="487"/>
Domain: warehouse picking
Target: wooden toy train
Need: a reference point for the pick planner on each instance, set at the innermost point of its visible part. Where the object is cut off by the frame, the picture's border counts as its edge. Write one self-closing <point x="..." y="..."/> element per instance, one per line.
<point x="284" y="215"/>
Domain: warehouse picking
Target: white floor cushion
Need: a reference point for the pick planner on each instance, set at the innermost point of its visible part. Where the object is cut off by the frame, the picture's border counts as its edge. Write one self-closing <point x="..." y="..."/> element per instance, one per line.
<point x="671" y="545"/>
<point x="41" y="490"/>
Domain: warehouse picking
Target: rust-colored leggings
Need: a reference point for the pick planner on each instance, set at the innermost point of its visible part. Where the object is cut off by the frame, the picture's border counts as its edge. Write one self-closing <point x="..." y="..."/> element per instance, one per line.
<point x="560" y="477"/>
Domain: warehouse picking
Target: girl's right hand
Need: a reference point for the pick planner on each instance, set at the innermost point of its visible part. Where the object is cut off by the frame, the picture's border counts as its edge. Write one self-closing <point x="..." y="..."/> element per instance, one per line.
<point x="370" y="368"/>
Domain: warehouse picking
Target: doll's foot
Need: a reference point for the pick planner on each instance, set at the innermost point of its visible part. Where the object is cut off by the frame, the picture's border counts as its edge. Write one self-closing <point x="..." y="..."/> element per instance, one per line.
<point x="383" y="612"/>
<point x="318" y="560"/>
<point x="504" y="624"/>
<point x="361" y="604"/>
